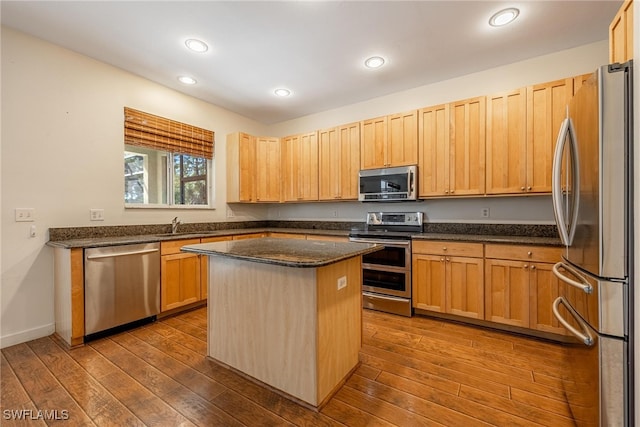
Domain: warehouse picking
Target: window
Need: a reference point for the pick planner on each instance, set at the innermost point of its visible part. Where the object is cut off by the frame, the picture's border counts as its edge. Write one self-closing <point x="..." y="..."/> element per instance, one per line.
<point x="166" y="163"/>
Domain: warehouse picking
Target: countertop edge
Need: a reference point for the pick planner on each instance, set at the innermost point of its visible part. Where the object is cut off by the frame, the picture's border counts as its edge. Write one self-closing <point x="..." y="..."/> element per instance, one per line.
<point x="197" y="249"/>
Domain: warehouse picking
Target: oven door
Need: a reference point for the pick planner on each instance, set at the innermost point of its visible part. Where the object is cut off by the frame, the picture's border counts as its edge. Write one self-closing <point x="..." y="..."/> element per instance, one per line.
<point x="387" y="271"/>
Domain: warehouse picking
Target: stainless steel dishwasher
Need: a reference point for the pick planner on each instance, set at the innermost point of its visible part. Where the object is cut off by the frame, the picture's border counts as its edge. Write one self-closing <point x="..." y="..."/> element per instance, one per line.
<point x="121" y="285"/>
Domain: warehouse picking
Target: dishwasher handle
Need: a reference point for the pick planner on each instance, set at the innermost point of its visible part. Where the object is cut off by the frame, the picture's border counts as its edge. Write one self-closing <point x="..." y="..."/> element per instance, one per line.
<point x="117" y="254"/>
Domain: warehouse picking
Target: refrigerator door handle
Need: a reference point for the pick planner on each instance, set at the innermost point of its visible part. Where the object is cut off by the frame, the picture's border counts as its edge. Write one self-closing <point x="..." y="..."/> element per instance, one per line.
<point x="583" y="285"/>
<point x="566" y="231"/>
<point x="584" y="335"/>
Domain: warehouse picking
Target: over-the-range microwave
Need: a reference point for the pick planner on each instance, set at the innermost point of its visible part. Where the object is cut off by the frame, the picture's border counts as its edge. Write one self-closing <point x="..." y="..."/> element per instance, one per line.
<point x="388" y="184"/>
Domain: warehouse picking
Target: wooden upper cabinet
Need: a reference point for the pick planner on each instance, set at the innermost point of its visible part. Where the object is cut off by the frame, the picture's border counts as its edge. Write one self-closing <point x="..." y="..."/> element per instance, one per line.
<point x="433" y="151"/>
<point x="506" y="147"/>
<point x="467" y="147"/>
<point x="578" y="81"/>
<point x="339" y="156"/>
<point x="373" y="143"/>
<point x="389" y="141"/>
<point x="452" y="149"/>
<point x="300" y="167"/>
<point x="402" y="139"/>
<point x="241" y="158"/>
<point x="253" y="168"/>
<point x="546" y="110"/>
<point x="267" y="176"/>
<point x="621" y="34"/>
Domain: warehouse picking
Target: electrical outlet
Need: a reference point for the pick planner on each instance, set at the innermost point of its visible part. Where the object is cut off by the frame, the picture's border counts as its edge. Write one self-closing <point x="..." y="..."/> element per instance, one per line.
<point x="25" y="214"/>
<point x="484" y="212"/>
<point x="230" y="213"/>
<point x="334" y="213"/>
<point x="96" y="214"/>
<point x="342" y="282"/>
<point x="32" y="231"/>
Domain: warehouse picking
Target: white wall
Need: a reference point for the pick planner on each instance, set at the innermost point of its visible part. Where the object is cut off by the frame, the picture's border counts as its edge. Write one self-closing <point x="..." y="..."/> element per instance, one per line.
<point x="62" y="155"/>
<point x="62" y="144"/>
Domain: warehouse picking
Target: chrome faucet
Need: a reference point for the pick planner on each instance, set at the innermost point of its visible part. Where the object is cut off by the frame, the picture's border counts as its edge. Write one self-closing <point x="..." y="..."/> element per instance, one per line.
<point x="174" y="225"/>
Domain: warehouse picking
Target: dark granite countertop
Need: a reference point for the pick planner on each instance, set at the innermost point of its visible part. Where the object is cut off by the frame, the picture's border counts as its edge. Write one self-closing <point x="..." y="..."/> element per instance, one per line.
<point x="95" y="242"/>
<point x="284" y="252"/>
<point x="483" y="238"/>
<point x="88" y="237"/>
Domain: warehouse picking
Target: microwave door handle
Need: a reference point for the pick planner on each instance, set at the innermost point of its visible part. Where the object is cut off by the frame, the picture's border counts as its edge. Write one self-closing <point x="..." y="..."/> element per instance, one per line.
<point x="411" y="182"/>
<point x="556" y="179"/>
<point x="584" y="335"/>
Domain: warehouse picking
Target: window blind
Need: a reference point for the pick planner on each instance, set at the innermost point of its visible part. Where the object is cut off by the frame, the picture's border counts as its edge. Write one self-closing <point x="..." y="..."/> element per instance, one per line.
<point x="159" y="133"/>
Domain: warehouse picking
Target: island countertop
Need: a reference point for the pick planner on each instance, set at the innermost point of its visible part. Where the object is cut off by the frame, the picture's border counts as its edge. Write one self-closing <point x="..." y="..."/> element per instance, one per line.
<point x="285" y="252"/>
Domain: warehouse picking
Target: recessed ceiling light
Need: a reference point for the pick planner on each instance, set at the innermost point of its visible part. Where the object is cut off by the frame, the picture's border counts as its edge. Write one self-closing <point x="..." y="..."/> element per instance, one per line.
<point x="504" y="17"/>
<point x="196" y="45"/>
<point x="282" y="92"/>
<point x="374" y="62"/>
<point x="187" y="80"/>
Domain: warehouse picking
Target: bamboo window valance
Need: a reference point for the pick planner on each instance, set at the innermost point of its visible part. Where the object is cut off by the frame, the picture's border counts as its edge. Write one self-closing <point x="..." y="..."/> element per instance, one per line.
<point x="146" y="130"/>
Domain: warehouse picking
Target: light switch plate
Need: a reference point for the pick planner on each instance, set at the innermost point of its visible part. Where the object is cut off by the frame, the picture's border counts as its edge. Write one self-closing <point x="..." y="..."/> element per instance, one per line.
<point x="96" y="214"/>
<point x="342" y="282"/>
<point x="25" y="214"/>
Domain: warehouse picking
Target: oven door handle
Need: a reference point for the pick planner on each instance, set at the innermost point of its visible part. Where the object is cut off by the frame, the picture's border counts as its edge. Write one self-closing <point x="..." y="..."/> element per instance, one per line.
<point x="381" y="241"/>
<point x="387" y="297"/>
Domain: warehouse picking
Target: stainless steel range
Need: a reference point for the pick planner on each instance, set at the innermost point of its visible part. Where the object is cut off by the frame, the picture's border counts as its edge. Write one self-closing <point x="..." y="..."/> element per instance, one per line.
<point x="386" y="274"/>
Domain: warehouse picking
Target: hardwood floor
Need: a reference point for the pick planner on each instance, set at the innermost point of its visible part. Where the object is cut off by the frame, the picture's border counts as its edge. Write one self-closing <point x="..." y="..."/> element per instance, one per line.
<point x="415" y="372"/>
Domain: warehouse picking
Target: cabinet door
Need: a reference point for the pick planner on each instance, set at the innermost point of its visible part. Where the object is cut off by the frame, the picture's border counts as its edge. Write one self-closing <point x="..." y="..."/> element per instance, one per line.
<point x="330" y="167"/>
<point x="289" y="153"/>
<point x="349" y="140"/>
<point x="506" y="143"/>
<point x="402" y="139"/>
<point x="467" y="147"/>
<point x="546" y="109"/>
<point x="180" y="280"/>
<point x="429" y="282"/>
<point x="544" y="288"/>
<point x="465" y="287"/>
<point x="373" y="142"/>
<point x="267" y="169"/>
<point x="433" y="151"/>
<point x="240" y="167"/>
<point x="621" y="34"/>
<point x="507" y="292"/>
<point x="308" y="169"/>
<point x="578" y="81"/>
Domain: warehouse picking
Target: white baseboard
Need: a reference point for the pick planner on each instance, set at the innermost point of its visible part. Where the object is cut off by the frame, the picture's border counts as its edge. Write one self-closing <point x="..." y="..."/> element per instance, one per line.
<point x="28" y="335"/>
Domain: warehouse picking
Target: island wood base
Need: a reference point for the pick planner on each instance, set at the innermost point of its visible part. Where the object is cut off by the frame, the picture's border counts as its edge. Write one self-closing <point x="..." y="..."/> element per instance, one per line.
<point x="289" y="328"/>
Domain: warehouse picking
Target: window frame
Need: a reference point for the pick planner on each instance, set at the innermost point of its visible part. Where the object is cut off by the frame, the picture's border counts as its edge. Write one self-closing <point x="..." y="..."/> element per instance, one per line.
<point x="171" y="180"/>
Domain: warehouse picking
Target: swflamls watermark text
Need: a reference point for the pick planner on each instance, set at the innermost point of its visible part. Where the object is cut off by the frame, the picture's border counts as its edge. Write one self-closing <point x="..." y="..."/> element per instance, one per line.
<point x="37" y="414"/>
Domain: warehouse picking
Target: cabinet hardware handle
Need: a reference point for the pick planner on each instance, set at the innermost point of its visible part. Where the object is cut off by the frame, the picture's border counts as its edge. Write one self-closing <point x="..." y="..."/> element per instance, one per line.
<point x="446" y="191"/>
<point x="448" y="260"/>
<point x="529" y="253"/>
<point x="444" y="248"/>
<point x="533" y="267"/>
<point x="522" y="188"/>
<point x="526" y="266"/>
<point x="441" y="259"/>
<point x="453" y="191"/>
<point x="529" y="188"/>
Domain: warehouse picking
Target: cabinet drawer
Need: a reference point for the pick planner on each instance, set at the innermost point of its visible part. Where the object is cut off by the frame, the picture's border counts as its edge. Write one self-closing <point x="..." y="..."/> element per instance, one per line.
<point x="447" y="248"/>
<point x="524" y="253"/>
<point x="173" y="246"/>
<point x="249" y="236"/>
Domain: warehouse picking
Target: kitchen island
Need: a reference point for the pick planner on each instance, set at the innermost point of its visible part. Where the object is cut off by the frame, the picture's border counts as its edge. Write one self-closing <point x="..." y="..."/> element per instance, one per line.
<point x="286" y="312"/>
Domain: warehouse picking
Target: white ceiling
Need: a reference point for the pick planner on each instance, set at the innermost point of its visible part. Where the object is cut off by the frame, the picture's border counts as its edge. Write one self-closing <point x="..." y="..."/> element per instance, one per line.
<point x="314" y="48"/>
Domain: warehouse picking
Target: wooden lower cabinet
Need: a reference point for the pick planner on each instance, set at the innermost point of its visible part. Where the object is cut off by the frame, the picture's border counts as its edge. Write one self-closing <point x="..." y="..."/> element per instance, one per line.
<point x="507" y="292"/>
<point x="180" y="275"/>
<point x="520" y="286"/>
<point x="447" y="283"/>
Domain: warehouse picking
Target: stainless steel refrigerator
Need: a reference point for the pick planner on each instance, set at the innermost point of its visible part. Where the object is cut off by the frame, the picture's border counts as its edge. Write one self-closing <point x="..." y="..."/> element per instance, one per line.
<point x="593" y="202"/>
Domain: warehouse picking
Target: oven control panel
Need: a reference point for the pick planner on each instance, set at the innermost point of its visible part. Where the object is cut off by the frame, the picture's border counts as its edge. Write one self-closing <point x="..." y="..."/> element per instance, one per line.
<point x="395" y="218"/>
